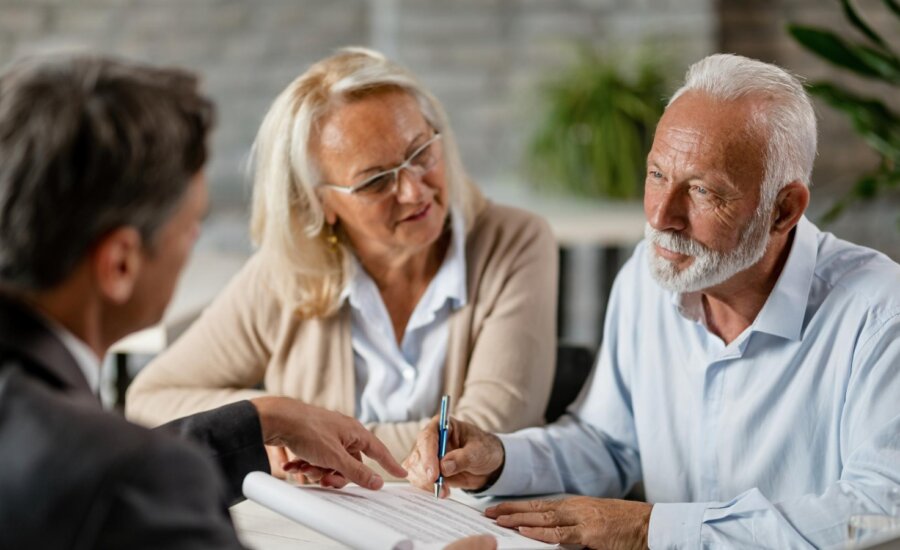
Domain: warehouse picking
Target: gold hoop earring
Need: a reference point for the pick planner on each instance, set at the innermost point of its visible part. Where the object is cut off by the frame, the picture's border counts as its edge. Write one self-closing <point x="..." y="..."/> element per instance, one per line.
<point x="332" y="239"/>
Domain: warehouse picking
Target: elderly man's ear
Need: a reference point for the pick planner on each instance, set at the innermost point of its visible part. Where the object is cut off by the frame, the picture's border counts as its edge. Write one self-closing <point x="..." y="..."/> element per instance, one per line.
<point x="790" y="205"/>
<point x="117" y="260"/>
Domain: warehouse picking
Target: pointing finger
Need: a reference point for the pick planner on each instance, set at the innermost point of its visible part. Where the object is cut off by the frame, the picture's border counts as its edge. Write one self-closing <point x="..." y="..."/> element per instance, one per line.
<point x="375" y="449"/>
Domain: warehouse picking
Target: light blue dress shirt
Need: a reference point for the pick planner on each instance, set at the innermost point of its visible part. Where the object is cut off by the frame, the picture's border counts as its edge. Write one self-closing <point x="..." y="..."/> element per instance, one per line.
<point x="396" y="383"/>
<point x="771" y="441"/>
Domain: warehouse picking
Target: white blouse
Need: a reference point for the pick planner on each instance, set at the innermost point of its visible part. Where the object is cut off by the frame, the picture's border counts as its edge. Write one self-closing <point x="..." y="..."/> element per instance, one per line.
<point x="399" y="383"/>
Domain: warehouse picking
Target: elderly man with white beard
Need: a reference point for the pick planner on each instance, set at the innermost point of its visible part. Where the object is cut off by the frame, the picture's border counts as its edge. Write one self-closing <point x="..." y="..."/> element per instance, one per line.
<point x="749" y="374"/>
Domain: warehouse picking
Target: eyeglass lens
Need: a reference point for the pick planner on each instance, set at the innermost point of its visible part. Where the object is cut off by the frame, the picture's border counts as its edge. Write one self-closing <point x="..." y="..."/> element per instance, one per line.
<point x="420" y="162"/>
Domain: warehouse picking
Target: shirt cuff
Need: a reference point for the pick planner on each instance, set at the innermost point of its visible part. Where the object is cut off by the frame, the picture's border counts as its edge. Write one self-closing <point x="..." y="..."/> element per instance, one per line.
<point x="516" y="467"/>
<point x="676" y="525"/>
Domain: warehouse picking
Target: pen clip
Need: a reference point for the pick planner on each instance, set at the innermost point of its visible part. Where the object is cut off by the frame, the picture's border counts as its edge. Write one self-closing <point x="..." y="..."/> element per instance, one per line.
<point x="445" y="416"/>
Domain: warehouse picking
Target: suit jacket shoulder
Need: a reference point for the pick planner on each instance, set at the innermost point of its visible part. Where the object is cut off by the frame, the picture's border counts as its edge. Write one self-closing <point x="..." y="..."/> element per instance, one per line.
<point x="73" y="476"/>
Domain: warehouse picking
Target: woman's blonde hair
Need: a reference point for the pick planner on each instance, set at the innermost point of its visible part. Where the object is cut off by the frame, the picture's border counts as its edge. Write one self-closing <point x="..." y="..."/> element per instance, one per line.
<point x="288" y="222"/>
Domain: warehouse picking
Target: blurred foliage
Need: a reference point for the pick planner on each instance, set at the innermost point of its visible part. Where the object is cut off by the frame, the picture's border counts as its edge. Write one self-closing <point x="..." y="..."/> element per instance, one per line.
<point x="596" y="128"/>
<point x="877" y="124"/>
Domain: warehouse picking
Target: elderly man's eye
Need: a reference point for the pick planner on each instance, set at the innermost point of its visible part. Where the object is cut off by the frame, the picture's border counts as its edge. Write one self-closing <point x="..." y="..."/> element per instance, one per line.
<point x="655" y="174"/>
<point x="700" y="190"/>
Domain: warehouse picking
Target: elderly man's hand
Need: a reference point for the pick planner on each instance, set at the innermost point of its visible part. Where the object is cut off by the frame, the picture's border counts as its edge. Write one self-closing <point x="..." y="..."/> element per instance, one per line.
<point x="473" y="457"/>
<point x="328" y="445"/>
<point x="584" y="521"/>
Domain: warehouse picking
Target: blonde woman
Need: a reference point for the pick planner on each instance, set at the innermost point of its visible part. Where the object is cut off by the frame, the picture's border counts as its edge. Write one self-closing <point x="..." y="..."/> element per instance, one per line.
<point x="383" y="277"/>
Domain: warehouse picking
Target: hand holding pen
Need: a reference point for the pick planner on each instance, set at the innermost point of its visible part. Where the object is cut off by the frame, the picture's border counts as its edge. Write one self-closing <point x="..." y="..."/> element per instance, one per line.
<point x="468" y="458"/>
<point x="443" y="430"/>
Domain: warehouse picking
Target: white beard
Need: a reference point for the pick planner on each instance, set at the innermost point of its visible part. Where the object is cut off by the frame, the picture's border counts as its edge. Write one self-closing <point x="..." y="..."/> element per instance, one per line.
<point x="709" y="267"/>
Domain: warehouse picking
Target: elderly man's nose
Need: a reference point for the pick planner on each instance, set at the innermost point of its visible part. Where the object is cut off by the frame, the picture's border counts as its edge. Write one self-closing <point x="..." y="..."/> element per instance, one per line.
<point x="667" y="210"/>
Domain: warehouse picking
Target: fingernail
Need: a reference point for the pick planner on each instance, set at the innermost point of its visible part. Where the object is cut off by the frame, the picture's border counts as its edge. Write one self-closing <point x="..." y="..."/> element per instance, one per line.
<point x="376" y="482"/>
<point x="449" y="467"/>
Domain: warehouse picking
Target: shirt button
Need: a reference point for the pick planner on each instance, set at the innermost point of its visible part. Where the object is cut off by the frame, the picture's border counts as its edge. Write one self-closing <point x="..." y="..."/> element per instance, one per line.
<point x="409" y="374"/>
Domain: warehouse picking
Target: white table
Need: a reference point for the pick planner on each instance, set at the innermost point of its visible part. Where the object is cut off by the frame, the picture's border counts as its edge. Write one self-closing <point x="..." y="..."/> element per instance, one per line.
<point x="262" y="529"/>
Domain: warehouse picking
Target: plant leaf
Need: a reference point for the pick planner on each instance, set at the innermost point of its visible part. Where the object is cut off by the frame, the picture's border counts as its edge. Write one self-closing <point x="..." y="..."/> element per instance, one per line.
<point x="591" y="138"/>
<point x="874" y="121"/>
<point x="866" y="188"/>
<point x="862" y="60"/>
<point x="862" y="26"/>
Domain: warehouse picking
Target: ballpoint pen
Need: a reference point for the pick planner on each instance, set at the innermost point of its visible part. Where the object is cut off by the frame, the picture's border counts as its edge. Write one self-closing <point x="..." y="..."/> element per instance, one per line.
<point x="443" y="428"/>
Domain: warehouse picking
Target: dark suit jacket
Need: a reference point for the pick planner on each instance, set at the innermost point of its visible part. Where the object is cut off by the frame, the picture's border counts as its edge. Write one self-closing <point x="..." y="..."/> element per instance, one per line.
<point x="74" y="476"/>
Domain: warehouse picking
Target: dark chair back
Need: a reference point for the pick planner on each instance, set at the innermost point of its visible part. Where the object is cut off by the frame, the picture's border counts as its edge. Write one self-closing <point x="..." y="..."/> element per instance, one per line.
<point x="573" y="365"/>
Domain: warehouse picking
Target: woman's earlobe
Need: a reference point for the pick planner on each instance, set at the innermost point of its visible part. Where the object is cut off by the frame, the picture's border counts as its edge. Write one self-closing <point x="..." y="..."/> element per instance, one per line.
<point x="330" y="214"/>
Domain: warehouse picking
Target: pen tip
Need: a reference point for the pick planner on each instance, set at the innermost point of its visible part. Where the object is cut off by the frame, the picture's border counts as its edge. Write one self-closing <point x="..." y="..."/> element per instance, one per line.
<point x="437" y="490"/>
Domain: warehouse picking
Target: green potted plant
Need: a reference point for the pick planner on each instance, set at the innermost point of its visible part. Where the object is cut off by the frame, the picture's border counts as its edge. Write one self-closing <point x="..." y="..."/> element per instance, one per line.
<point x="877" y="124"/>
<point x="596" y="128"/>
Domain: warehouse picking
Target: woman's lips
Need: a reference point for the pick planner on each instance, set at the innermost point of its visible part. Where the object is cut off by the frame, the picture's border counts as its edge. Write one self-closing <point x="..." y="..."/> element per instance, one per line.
<point x="419" y="214"/>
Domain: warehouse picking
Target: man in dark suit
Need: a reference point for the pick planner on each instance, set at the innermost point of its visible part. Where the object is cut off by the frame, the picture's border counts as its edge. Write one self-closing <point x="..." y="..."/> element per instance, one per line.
<point x="101" y="195"/>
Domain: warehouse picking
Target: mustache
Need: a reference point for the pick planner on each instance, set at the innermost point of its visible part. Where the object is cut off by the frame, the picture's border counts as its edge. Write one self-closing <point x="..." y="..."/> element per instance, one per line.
<point x="674" y="242"/>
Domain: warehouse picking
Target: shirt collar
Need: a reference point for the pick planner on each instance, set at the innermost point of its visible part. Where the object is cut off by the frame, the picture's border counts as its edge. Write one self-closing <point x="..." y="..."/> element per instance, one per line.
<point x="785" y="308"/>
<point x="452" y="274"/>
<point x="449" y="282"/>
<point x="81" y="352"/>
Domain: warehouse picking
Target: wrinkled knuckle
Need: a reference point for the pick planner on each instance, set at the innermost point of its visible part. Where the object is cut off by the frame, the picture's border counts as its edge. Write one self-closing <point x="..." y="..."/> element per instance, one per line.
<point x="558" y="533"/>
<point x="548" y="517"/>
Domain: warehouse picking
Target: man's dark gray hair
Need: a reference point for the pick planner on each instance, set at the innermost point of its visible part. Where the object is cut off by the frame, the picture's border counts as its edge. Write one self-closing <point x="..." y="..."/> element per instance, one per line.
<point x="87" y="145"/>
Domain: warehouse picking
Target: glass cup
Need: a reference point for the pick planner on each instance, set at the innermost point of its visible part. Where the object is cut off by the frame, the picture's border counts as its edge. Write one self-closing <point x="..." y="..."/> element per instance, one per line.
<point x="863" y="528"/>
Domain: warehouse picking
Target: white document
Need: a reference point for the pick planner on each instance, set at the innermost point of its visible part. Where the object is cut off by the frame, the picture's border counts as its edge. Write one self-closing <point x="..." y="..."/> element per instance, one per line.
<point x="398" y="516"/>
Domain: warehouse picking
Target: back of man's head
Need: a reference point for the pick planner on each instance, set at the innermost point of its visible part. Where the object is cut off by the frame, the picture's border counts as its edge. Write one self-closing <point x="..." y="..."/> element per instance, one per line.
<point x="88" y="145"/>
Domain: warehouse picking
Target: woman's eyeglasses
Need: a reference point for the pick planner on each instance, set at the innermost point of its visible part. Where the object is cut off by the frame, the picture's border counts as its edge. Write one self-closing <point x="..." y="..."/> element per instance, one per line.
<point x="384" y="184"/>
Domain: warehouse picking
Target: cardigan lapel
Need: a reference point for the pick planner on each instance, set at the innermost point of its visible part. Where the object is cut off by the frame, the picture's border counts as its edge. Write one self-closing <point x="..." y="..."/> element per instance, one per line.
<point x="345" y="352"/>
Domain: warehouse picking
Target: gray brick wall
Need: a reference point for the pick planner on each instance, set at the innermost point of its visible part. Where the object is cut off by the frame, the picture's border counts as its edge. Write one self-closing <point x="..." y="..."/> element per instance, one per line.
<point x="486" y="59"/>
<point x="246" y="51"/>
<point x="483" y="58"/>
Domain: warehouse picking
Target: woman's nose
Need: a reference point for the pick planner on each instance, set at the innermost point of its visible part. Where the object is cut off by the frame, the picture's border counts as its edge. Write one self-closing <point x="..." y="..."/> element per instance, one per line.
<point x="410" y="187"/>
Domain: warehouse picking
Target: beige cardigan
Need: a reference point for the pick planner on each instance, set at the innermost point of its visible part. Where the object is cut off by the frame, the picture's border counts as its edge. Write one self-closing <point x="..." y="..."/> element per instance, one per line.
<point x="500" y="358"/>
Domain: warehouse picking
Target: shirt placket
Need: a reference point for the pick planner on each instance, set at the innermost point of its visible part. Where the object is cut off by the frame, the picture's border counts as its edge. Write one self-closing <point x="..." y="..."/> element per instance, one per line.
<point x="711" y="421"/>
